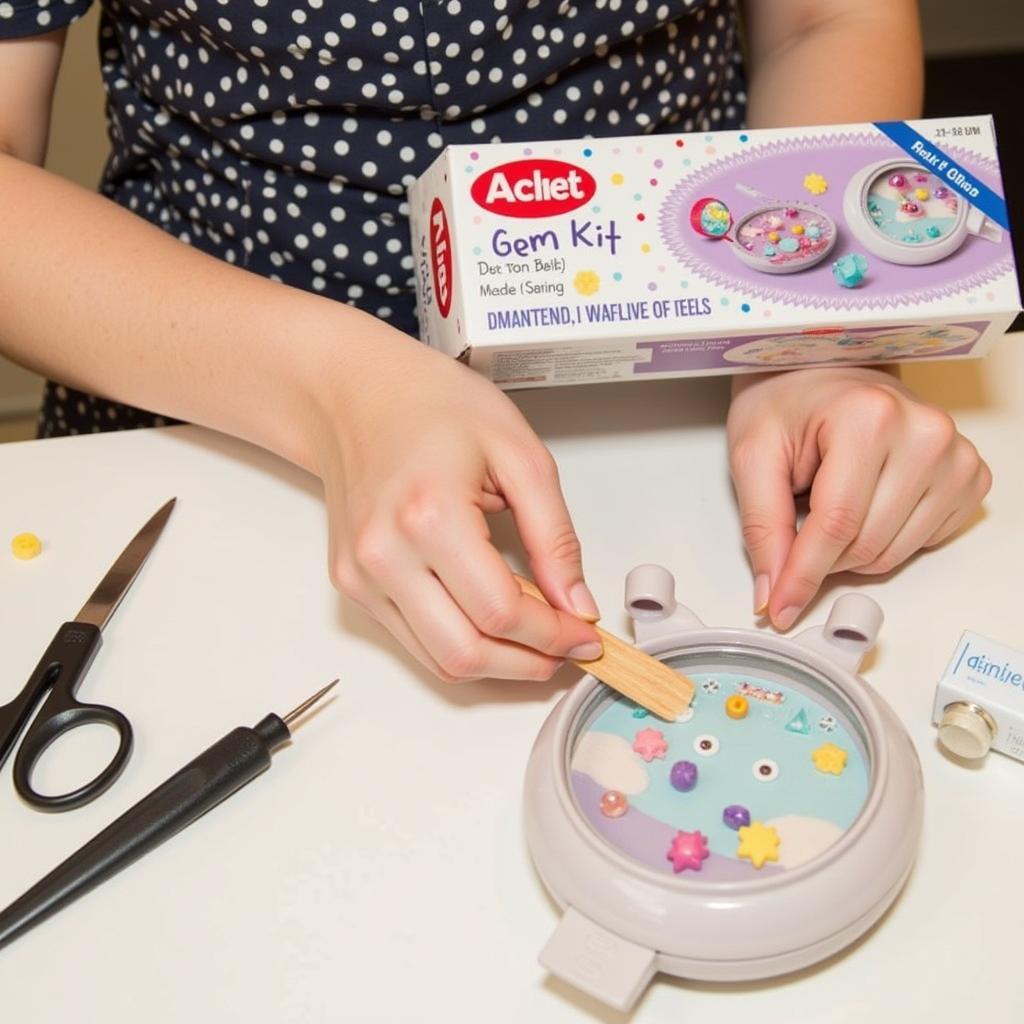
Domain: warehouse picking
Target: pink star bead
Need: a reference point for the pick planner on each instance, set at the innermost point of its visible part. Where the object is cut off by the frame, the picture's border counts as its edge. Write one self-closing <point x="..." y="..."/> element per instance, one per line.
<point x="688" y="850"/>
<point x="649" y="744"/>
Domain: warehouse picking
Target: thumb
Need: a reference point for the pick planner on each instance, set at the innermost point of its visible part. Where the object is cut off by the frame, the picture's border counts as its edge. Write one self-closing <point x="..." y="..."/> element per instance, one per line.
<point x="762" y="477"/>
<point x="534" y="495"/>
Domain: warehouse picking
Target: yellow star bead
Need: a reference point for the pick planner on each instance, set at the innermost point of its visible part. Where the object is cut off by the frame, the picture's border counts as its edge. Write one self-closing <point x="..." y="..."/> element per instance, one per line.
<point x="829" y="759"/>
<point x="815" y="184"/>
<point x="26" y="546"/>
<point x="758" y="843"/>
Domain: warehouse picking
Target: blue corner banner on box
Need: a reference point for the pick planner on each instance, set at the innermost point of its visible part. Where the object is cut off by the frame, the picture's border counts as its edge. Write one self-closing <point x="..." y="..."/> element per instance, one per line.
<point x="928" y="154"/>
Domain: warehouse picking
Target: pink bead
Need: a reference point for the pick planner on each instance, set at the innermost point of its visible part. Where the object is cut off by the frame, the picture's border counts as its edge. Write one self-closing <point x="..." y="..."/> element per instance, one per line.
<point x="792" y="211"/>
<point x="912" y="209"/>
<point x="920" y="178"/>
<point x="897" y="181"/>
<point x="614" y="804"/>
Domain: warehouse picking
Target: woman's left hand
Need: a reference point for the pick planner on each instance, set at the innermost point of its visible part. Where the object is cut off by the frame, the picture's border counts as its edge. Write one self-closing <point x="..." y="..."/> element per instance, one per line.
<point x="887" y="473"/>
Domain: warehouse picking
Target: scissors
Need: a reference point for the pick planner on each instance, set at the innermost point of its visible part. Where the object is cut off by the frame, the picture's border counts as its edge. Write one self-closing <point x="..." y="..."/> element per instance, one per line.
<point x="61" y="670"/>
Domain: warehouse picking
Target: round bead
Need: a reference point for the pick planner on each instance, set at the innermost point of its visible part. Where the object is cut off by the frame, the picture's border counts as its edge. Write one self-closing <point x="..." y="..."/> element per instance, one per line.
<point x="614" y="804"/>
<point x="736" y="816"/>
<point x="683" y="776"/>
<point x="789" y="244"/>
<point x="813" y="230"/>
<point x="897" y="181"/>
<point x="941" y="192"/>
<point x="911" y="209"/>
<point x="26" y="546"/>
<point x="773" y="236"/>
<point x="736" y="706"/>
<point x="792" y="211"/>
<point x="921" y="193"/>
<point x="920" y="178"/>
<point x="797" y="229"/>
<point x="768" y="250"/>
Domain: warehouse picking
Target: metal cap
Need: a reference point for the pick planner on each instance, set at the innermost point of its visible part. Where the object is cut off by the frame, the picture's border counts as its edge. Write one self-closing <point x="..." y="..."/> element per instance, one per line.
<point x="966" y="730"/>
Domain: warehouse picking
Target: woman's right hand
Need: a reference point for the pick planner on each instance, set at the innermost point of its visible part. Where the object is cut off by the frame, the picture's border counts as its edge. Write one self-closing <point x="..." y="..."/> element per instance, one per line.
<point x="415" y="451"/>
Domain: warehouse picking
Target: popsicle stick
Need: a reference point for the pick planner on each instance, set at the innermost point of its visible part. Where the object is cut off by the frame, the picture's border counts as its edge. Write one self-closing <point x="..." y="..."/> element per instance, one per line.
<point x="650" y="683"/>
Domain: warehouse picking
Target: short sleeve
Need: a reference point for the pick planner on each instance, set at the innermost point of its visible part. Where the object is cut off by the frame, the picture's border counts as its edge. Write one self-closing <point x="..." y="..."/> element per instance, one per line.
<point x="20" y="18"/>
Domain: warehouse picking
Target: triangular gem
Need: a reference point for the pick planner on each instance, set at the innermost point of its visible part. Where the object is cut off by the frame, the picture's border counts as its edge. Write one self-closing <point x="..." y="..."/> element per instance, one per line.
<point x="799" y="723"/>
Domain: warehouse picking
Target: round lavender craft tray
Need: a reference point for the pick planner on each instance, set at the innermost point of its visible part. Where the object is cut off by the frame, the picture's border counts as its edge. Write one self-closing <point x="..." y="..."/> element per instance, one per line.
<point x="764" y="263"/>
<point x="848" y="836"/>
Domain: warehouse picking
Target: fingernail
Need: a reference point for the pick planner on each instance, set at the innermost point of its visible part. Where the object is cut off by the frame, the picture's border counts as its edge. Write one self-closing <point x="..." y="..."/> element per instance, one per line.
<point x="787" y="617"/>
<point x="762" y="591"/>
<point x="586" y="652"/>
<point x="583" y="602"/>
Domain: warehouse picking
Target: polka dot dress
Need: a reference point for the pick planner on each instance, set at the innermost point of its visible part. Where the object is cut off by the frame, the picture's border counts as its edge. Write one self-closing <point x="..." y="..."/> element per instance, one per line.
<point x="282" y="137"/>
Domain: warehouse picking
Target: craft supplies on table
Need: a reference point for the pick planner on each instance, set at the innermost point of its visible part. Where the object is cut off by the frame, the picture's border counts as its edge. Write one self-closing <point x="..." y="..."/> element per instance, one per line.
<point x="60" y="673"/>
<point x="979" y="702"/>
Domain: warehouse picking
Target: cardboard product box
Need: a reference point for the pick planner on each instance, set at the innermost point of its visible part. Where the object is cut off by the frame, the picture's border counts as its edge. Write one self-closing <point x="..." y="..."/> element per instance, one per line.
<point x="680" y="255"/>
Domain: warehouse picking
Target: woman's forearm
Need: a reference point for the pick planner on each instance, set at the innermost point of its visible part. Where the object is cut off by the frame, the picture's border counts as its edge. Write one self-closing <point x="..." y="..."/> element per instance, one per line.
<point x="93" y="296"/>
<point x="832" y="61"/>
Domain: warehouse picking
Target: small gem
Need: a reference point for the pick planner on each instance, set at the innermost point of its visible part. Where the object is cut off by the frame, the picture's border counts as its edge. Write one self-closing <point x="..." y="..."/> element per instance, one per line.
<point x="688" y="850"/>
<point x="849" y="270"/>
<point x="897" y="181"/>
<point x="792" y="211"/>
<point x="933" y="231"/>
<point x="829" y="759"/>
<point x="683" y="776"/>
<point x="758" y="843"/>
<point x="789" y="244"/>
<point x="639" y="712"/>
<point x="827" y="723"/>
<point x="921" y="193"/>
<point x="799" y="723"/>
<point x="736" y="706"/>
<point x="797" y="229"/>
<point x="736" y="816"/>
<point x="649" y="744"/>
<point x="768" y="250"/>
<point x="813" y="231"/>
<point x="614" y="804"/>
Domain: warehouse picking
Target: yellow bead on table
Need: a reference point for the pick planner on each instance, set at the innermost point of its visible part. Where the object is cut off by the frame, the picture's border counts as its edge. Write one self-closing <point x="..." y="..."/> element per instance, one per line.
<point x="26" y="546"/>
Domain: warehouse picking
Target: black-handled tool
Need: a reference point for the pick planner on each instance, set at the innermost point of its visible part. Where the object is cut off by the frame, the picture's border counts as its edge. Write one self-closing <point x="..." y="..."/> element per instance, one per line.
<point x="213" y="776"/>
<point x="61" y="671"/>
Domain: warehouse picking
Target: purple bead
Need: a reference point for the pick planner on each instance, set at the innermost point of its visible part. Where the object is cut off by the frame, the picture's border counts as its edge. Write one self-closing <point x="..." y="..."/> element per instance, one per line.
<point x="941" y="192"/>
<point x="683" y="776"/>
<point x="736" y="816"/>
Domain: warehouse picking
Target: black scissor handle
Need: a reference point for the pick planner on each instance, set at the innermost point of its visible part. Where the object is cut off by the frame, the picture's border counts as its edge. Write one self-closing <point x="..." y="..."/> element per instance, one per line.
<point x="61" y="670"/>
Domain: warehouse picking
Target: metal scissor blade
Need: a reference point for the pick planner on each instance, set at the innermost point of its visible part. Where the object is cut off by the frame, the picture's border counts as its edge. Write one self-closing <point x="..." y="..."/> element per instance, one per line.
<point x="121" y="575"/>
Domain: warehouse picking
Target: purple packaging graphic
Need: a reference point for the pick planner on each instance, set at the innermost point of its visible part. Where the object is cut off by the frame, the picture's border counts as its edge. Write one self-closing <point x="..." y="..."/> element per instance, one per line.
<point x="678" y="255"/>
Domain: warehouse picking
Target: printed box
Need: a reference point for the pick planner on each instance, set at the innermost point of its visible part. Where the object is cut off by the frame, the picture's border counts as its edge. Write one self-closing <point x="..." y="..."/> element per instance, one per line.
<point x="679" y="255"/>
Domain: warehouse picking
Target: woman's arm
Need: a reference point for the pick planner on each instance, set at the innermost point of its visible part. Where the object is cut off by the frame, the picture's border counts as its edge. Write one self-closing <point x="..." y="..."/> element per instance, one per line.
<point x="886" y="474"/>
<point x="97" y="298"/>
<point x="832" y="61"/>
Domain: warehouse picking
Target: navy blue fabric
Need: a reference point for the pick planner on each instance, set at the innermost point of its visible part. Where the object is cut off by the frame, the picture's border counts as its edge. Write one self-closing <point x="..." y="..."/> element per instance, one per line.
<point x="281" y="136"/>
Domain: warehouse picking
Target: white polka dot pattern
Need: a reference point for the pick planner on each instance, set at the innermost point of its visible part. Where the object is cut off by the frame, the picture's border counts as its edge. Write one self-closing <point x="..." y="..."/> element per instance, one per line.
<point x="282" y="137"/>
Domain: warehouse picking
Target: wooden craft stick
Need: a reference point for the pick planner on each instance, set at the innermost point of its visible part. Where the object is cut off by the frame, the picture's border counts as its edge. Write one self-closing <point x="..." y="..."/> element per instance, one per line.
<point x="650" y="683"/>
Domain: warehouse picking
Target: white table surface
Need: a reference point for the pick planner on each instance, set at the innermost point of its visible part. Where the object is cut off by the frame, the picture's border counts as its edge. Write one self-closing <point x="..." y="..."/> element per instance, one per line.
<point x="379" y="871"/>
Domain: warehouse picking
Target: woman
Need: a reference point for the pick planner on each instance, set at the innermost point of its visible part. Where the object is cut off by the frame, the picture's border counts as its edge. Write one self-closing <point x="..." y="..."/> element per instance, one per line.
<point x="248" y="269"/>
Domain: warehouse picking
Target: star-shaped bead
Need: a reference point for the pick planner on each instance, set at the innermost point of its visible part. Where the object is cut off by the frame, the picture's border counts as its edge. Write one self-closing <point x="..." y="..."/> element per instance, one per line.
<point x="829" y="759"/>
<point x="688" y="850"/>
<point x="649" y="744"/>
<point x="758" y="843"/>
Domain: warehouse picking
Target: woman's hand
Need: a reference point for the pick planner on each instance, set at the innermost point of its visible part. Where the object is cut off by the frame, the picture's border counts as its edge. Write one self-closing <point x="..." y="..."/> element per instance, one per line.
<point x="415" y="450"/>
<point x="887" y="474"/>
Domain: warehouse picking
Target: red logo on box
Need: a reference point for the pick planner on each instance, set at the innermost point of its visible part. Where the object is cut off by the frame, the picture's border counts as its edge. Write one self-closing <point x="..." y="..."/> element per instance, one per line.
<point x="533" y="188"/>
<point x="441" y="256"/>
